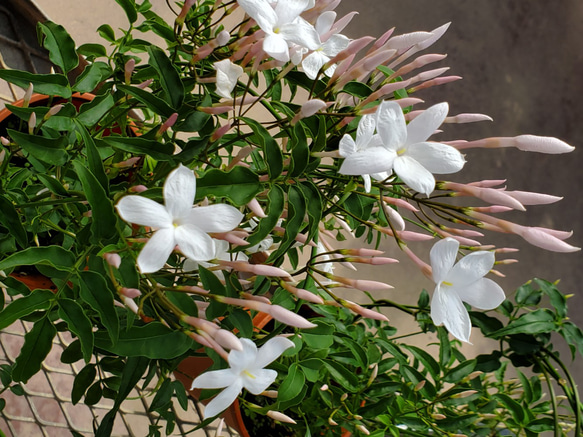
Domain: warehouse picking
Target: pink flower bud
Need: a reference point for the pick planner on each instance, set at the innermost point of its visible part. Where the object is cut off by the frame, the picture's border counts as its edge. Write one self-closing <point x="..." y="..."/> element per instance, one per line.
<point x="145" y="84"/>
<point x="394" y="217"/>
<point x="227" y="339"/>
<point x="544" y="239"/>
<point x="232" y="237"/>
<point x="137" y="189"/>
<point x="129" y="69"/>
<point x="288" y="317"/>
<point x="280" y="417"/>
<point x="184" y="11"/>
<point x="132" y="293"/>
<point x="32" y="123"/>
<point x="435" y="82"/>
<point x="27" y="96"/>
<point x="5" y="141"/>
<point x="488" y="183"/>
<point x="364" y="312"/>
<point x="130" y="304"/>
<point x="467" y="118"/>
<point x="532" y="143"/>
<point x="529" y="198"/>
<point x="428" y="75"/>
<point x="254" y="206"/>
<point x="113" y="259"/>
<point x="223" y="38"/>
<point x="53" y="111"/>
<point x="167" y="124"/>
<point x="407" y="40"/>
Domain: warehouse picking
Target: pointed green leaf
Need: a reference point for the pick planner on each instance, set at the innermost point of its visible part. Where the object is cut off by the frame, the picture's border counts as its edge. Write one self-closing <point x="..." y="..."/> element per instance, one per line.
<point x="49" y="150"/>
<point x="60" y="45"/>
<point x="143" y="146"/>
<point x="53" y="185"/>
<point x="49" y="84"/>
<point x="95" y="291"/>
<point x="103" y="224"/>
<point x="10" y="219"/>
<point x="93" y="157"/>
<point x="53" y="256"/>
<point x="168" y="76"/>
<point x="342" y="375"/>
<point x="271" y="150"/>
<point x="92" y="76"/>
<point x="129" y="7"/>
<point x="153" y="103"/>
<point x="315" y="207"/>
<point x="37" y="345"/>
<point x="72" y="313"/>
<point x="295" y="218"/>
<point x="275" y="206"/>
<point x="535" y="322"/>
<point x="219" y="183"/>
<point x="18" y="308"/>
<point x="292" y="385"/>
<point x="300" y="153"/>
<point x="82" y="382"/>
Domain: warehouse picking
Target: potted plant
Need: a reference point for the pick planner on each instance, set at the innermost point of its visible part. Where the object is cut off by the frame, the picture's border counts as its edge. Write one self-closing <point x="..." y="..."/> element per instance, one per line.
<point x="168" y="212"/>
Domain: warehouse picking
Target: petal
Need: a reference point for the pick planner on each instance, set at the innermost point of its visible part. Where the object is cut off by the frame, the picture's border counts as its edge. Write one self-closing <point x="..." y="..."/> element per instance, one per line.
<point x="391" y="125"/>
<point x="261" y="11"/>
<point x="260" y="380"/>
<point x="276" y="46"/>
<point x="448" y="309"/>
<point x="227" y="76"/>
<point x="288" y="10"/>
<point x="367" y="161"/>
<point x="214" y="379"/>
<point x="365" y="131"/>
<point x="313" y="62"/>
<point x="156" y="251"/>
<point x="243" y="359"/>
<point x="414" y="174"/>
<point x="194" y="243"/>
<point x="271" y="350"/>
<point x="214" y="218"/>
<point x="424" y="125"/>
<point x="483" y="294"/>
<point x="143" y="211"/>
<point x="223" y="400"/>
<point x="437" y="158"/>
<point x="301" y="33"/>
<point x="335" y="44"/>
<point x="443" y="255"/>
<point x="325" y="21"/>
<point x="179" y="191"/>
<point x="471" y="268"/>
<point x="380" y="176"/>
<point x="367" y="182"/>
<point x="347" y="146"/>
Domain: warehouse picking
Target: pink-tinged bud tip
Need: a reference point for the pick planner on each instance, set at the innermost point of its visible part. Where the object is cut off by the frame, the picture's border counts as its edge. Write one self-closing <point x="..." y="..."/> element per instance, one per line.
<point x="280" y="417"/>
<point x="132" y="293"/>
<point x="113" y="259"/>
<point x="288" y="317"/>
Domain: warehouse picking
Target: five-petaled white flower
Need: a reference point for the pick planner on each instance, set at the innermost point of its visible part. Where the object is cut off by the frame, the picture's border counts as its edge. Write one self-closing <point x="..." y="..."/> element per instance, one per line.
<point x="227" y="76"/>
<point x="331" y="46"/>
<point x="178" y="222"/>
<point x="405" y="150"/>
<point x="246" y="371"/>
<point x="282" y="25"/>
<point x="462" y="282"/>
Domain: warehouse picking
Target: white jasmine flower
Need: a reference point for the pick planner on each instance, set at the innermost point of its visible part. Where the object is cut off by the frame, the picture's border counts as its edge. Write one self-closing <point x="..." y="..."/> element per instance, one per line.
<point x="282" y="25"/>
<point x="405" y="149"/>
<point x="462" y="282"/>
<point x="330" y="47"/>
<point x="366" y="139"/>
<point x="227" y="76"/>
<point x="178" y="222"/>
<point x="246" y="371"/>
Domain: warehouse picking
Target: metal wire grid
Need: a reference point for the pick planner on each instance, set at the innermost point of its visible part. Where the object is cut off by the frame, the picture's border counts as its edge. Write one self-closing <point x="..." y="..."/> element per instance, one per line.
<point x="19" y="48"/>
<point x="46" y="409"/>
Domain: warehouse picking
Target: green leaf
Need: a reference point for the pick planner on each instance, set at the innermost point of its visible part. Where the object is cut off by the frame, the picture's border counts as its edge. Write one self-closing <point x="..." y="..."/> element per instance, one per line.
<point x="10" y="219"/>
<point x="242" y="321"/>
<point x="82" y="382"/>
<point x="153" y="103"/>
<point x="93" y="157"/>
<point x="295" y="218"/>
<point x="342" y="375"/>
<point x="39" y="300"/>
<point x="142" y="146"/>
<point x="129" y="7"/>
<point x="512" y="405"/>
<point x="60" y="45"/>
<point x="536" y="322"/>
<point x="444" y="346"/>
<point x="106" y="32"/>
<point x="275" y="205"/>
<point x="524" y="381"/>
<point x="154" y="341"/>
<point x="168" y="76"/>
<point x="37" y="345"/>
<point x="426" y="359"/>
<point x="315" y="207"/>
<point x="357" y="89"/>
<point x="240" y="185"/>
<point x="319" y="337"/>
<point x="79" y="324"/>
<point x="53" y="256"/>
<point x="49" y="84"/>
<point x="292" y="385"/>
<point x="91" y="112"/>
<point x="163" y="395"/>
<point x="92" y="50"/>
<point x="53" y="185"/>
<point x="181" y="394"/>
<point x="300" y="153"/>
<point x="486" y="323"/>
<point x="271" y="150"/>
<point x="72" y="353"/>
<point x="92" y="76"/>
<point x="558" y="300"/>
<point x="132" y="373"/>
<point x="458" y="373"/>
<point x="49" y="150"/>
<point x="94" y="290"/>
<point x="103" y="224"/>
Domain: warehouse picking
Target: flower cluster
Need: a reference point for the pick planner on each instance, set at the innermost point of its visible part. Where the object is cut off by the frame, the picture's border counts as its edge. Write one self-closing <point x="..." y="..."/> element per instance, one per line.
<point x="212" y="183"/>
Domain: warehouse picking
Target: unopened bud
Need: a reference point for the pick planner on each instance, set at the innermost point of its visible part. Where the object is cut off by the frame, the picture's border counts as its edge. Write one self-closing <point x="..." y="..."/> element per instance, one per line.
<point x="27" y="96"/>
<point x="128" y="70"/>
<point x="31" y="123"/>
<point x="53" y="111"/>
<point x="439" y="416"/>
<point x="324" y="387"/>
<point x="419" y="385"/>
<point x="332" y="422"/>
<point x="130" y="292"/>
<point x="270" y="394"/>
<point x="464" y="394"/>
<point x="280" y="417"/>
<point x="363" y="429"/>
<point x="343" y="397"/>
<point x="5" y="141"/>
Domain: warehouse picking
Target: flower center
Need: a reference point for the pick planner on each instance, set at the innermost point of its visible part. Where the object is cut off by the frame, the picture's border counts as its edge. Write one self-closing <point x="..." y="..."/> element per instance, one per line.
<point x="449" y="284"/>
<point x="276" y="30"/>
<point x="249" y="374"/>
<point x="401" y="151"/>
